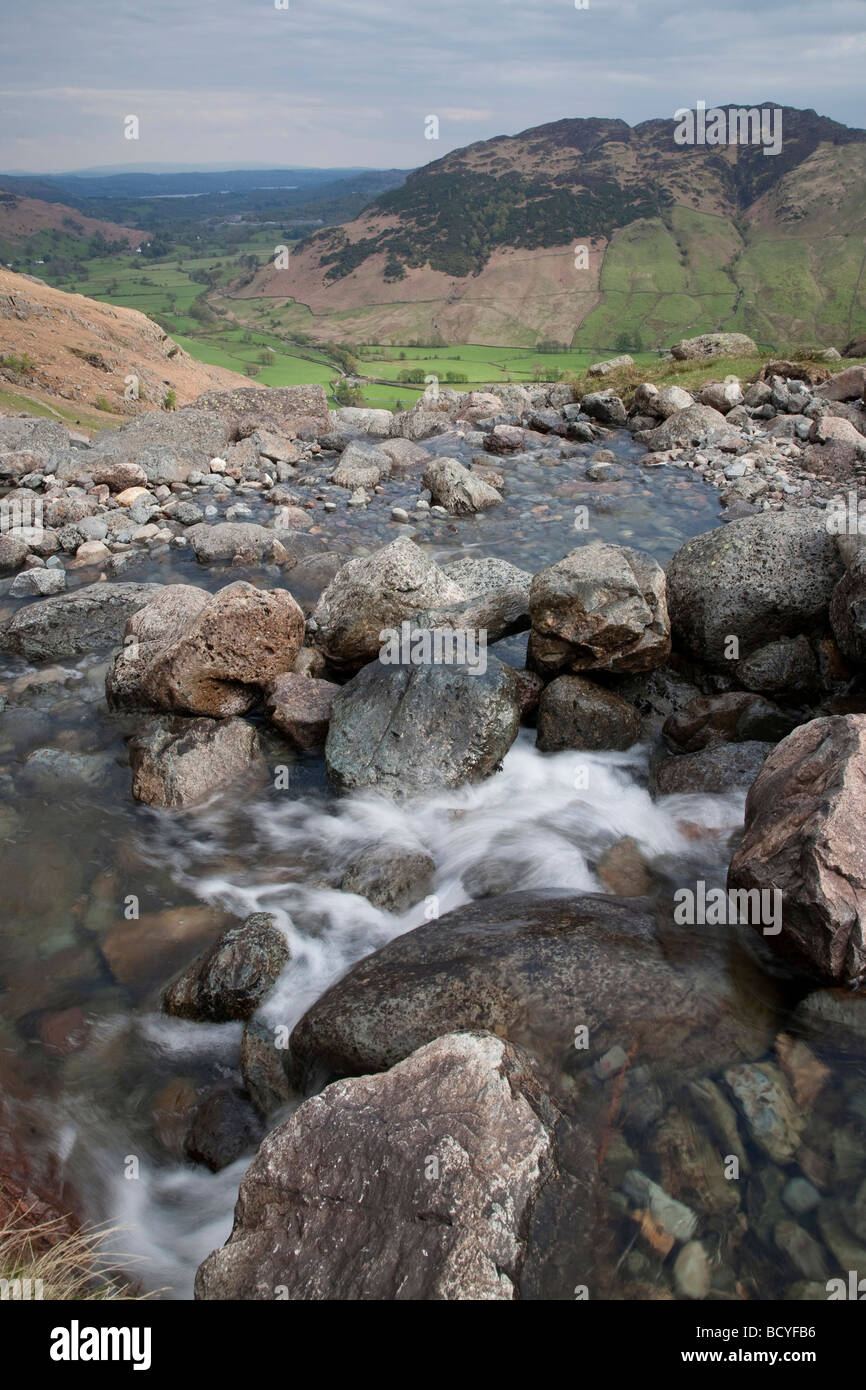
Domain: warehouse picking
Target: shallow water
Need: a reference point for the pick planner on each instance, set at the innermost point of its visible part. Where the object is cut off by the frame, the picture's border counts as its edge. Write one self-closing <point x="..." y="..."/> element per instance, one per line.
<point x="96" y="1073"/>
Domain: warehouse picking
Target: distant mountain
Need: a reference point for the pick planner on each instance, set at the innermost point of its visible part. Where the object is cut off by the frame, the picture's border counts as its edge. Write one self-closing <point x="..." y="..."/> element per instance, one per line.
<point x="31" y="225"/>
<point x="137" y="183"/>
<point x="680" y="239"/>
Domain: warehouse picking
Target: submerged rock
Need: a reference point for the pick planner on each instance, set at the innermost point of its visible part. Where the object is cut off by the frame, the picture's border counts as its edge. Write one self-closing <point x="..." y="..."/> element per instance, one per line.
<point x="389" y="877"/>
<point x="179" y="762"/>
<point x="70" y="624"/>
<point x="229" y="980"/>
<point x="415" y="1185"/>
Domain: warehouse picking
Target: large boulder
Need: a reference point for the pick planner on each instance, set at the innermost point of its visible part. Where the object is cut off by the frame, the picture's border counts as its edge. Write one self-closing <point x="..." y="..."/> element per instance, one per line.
<point x="411" y="729"/>
<point x="419" y="1184"/>
<point x="758" y="579"/>
<point x="601" y="608"/>
<point x="714" y="345"/>
<point x="148" y="631"/>
<point x="717" y="769"/>
<point x="180" y="762"/>
<point x="235" y="645"/>
<point x="735" y="717"/>
<point x="69" y="624"/>
<point x="292" y="412"/>
<point x="374" y="593"/>
<point x="361" y="466"/>
<point x="694" y="425"/>
<point x="576" y="713"/>
<point x="229" y="980"/>
<point x="847" y="385"/>
<point x="531" y="968"/>
<point x="848" y="610"/>
<point x="804" y="838"/>
<point x="456" y="489"/>
<point x="166" y="446"/>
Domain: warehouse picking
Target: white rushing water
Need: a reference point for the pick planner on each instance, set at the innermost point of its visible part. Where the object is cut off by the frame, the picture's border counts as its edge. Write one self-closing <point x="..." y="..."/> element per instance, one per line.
<point x="541" y="823"/>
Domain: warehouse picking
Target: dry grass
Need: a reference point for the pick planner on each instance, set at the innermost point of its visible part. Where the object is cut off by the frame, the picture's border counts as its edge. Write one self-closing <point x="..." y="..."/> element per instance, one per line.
<point x="63" y="1264"/>
<point x="692" y="375"/>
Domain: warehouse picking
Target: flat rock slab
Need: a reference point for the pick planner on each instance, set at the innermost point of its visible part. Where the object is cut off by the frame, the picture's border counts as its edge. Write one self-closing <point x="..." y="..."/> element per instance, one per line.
<point x="83" y="621"/>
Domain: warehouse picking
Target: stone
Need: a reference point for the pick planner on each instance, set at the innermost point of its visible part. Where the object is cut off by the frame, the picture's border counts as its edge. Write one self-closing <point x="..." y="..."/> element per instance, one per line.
<point x="181" y="762"/>
<point x="847" y="385"/>
<point x="786" y="667"/>
<point x="300" y="707"/>
<point x="149" y="948"/>
<point x="601" y="608"/>
<point x="167" y="446"/>
<point x="834" y="1018"/>
<point x="692" y="1273"/>
<point x="694" y="425"/>
<point x="718" y="768"/>
<point x="233" y="976"/>
<point x="774" y="1119"/>
<point x="528" y="967"/>
<point x="41" y="583"/>
<point x="766" y="577"/>
<point x="339" y="1202"/>
<point x="722" y="396"/>
<point x="360" y="466"/>
<point x="234" y="647"/>
<point x="674" y="1217"/>
<point x="375" y="593"/>
<point x="610" y="365"/>
<point x="576" y="713"/>
<point x="389" y="877"/>
<point x="85" y="620"/>
<point x="735" y="717"/>
<point x="244" y="541"/>
<point x="504" y="439"/>
<point x="411" y="729"/>
<point x="669" y="401"/>
<point x="714" y="345"/>
<point x="292" y="412"/>
<point x="604" y="406"/>
<point x="13" y="553"/>
<point x="456" y="489"/>
<point x="405" y="457"/>
<point x="222" y="1128"/>
<point x="802" y="839"/>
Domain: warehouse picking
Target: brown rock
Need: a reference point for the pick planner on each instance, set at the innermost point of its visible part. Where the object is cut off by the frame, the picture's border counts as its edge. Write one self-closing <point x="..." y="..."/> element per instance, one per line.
<point x="180" y="762"/>
<point x="300" y="707"/>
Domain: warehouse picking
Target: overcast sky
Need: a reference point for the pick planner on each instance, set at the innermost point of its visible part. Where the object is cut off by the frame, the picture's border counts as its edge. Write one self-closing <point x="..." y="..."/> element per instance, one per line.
<point x="350" y="82"/>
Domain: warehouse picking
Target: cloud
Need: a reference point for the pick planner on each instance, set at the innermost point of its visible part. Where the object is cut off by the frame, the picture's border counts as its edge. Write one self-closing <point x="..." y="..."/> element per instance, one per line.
<point x="338" y="82"/>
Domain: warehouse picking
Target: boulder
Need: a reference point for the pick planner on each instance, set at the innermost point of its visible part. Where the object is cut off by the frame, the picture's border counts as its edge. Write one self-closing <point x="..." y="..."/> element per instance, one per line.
<point x="530" y="967"/>
<point x="735" y="717"/>
<point x="487" y="575"/>
<point x="235" y="645"/>
<point x="180" y="762"/>
<point x="669" y="401"/>
<point x="13" y="553"/>
<point x="419" y="1185"/>
<point x="69" y="624"/>
<point x="504" y="439"/>
<point x="802" y="837"/>
<point x="722" y="395"/>
<point x="241" y="541"/>
<point x="418" y="424"/>
<point x="167" y="446"/>
<point x="848" y="610"/>
<point x="456" y="489"/>
<point x="223" y="1127"/>
<point x="404" y="456"/>
<point x="765" y="577"/>
<point x="601" y="608"/>
<point x="604" y="406"/>
<point x="602" y="368"/>
<point x="847" y="385"/>
<point x="374" y="593"/>
<point x="292" y="412"/>
<point x="363" y="420"/>
<point x="148" y="631"/>
<point x="694" y="425"/>
<point x="412" y="729"/>
<point x="360" y="466"/>
<point x="300" y="707"/>
<point x="716" y="769"/>
<point x="231" y="978"/>
<point x="576" y="713"/>
<point x="786" y="667"/>
<point x="714" y="345"/>
<point x="389" y="877"/>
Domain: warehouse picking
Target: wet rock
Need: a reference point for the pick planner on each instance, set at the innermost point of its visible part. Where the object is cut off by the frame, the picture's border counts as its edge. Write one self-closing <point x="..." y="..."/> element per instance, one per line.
<point x="42" y="583"/>
<point x="690" y="1167"/>
<point x="489" y="575"/>
<point x="233" y="976"/>
<point x="692" y="1273"/>
<point x="375" y="593"/>
<point x="719" y="768"/>
<point x="404" y="456"/>
<point x="759" y="579"/>
<point x="405" y="730"/>
<point x="180" y="762"/>
<point x="146" y="949"/>
<point x="456" y="489"/>
<point x="802" y="838"/>
<point x="223" y="1127"/>
<point x="504" y="439"/>
<point x="674" y="1217"/>
<point x="575" y="713"/>
<point x="806" y="1076"/>
<point x="601" y="608"/>
<point x="529" y="967"/>
<point x="262" y="1065"/>
<point x="389" y="877"/>
<point x="604" y="406"/>
<point x="770" y="1111"/>
<point x="361" y="466"/>
<point x="802" y="1250"/>
<point x="624" y="870"/>
<point x="833" y="1018"/>
<point x="69" y="624"/>
<point x="238" y="643"/>
<point x="848" y="611"/>
<point x="243" y="541"/>
<point x="736" y="717"/>
<point x="300" y="707"/>
<point x="13" y="553"/>
<point x="786" y="667"/>
<point x="450" y="1151"/>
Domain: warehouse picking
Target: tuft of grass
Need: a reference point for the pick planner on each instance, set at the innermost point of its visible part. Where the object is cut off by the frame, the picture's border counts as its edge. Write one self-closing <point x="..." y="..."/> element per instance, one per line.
<point x="61" y="1264"/>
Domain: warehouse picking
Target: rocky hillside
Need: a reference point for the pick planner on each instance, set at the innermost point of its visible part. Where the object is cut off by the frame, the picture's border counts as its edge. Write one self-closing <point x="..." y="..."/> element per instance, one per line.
<point x="24" y="218"/>
<point x="479" y="246"/>
<point x="58" y="348"/>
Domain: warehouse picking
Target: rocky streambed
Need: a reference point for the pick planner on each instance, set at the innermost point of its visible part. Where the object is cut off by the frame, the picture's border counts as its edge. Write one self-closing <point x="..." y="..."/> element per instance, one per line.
<point x="441" y="938"/>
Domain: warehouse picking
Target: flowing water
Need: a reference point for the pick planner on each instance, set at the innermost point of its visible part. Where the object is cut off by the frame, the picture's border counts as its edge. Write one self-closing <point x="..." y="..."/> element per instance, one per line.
<point x="105" y="900"/>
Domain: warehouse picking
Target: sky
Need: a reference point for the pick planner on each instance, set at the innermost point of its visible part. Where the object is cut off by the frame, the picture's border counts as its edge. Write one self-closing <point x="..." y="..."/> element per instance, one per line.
<point x="319" y="83"/>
